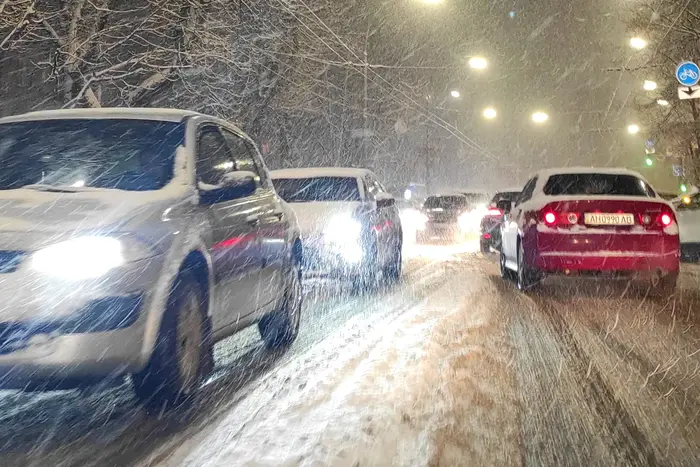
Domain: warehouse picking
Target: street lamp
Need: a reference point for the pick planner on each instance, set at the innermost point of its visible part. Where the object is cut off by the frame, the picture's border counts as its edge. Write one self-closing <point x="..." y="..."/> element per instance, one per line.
<point x="455" y="94"/>
<point x="489" y="113"/>
<point x="650" y="85"/>
<point x="663" y="102"/>
<point x="478" y="63"/>
<point x="638" y="43"/>
<point x="633" y="129"/>
<point x="540" y="117"/>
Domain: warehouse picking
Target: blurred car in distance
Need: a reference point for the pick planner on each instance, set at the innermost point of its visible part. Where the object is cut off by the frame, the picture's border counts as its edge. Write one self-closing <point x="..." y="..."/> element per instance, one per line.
<point x="351" y="228"/>
<point x="589" y="221"/>
<point x="448" y="219"/>
<point x="490" y="228"/>
<point x="132" y="240"/>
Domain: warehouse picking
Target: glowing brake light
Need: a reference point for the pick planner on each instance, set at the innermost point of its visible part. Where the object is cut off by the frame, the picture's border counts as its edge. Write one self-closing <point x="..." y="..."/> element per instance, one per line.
<point x="550" y="218"/>
<point x="495" y="212"/>
<point x="666" y="220"/>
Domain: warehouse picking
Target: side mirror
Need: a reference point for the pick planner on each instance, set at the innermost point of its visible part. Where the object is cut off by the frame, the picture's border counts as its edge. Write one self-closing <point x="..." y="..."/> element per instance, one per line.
<point x="234" y="185"/>
<point x="505" y="205"/>
<point x="385" y="200"/>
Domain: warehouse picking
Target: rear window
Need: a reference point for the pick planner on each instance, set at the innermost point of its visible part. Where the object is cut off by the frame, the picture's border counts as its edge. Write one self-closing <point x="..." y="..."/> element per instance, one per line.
<point x="306" y="190"/>
<point x="476" y="198"/>
<point x="505" y="195"/>
<point x="445" y="202"/>
<point x="593" y="184"/>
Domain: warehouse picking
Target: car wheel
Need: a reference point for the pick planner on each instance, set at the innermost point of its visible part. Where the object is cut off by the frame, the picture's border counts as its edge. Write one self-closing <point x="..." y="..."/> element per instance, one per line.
<point x="175" y="370"/>
<point x="366" y="279"/>
<point x="506" y="273"/>
<point x="527" y="277"/>
<point x="281" y="328"/>
<point x="392" y="272"/>
<point x="485" y="247"/>
<point x="665" y="286"/>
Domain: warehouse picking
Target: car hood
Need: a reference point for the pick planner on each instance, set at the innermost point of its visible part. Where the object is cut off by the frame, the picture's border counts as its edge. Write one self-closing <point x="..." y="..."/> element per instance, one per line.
<point x="314" y="217"/>
<point x="31" y="211"/>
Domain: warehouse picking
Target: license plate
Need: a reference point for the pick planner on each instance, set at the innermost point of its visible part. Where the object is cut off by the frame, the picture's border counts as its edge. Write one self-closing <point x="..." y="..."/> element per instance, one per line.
<point x="599" y="218"/>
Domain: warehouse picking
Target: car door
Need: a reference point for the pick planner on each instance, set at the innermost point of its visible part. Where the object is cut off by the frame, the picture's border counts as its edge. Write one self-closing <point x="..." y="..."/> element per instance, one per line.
<point x="234" y="249"/>
<point x="272" y="229"/>
<point x="513" y="221"/>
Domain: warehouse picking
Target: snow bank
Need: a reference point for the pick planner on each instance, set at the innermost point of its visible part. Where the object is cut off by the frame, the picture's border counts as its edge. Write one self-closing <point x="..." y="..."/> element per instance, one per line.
<point x="430" y="386"/>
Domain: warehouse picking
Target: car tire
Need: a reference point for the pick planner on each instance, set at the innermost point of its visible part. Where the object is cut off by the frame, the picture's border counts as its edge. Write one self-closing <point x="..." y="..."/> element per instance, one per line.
<point x="182" y="350"/>
<point x="485" y="247"/>
<point x="392" y="271"/>
<point x="665" y="286"/>
<point x="280" y="328"/>
<point x="506" y="273"/>
<point x="526" y="277"/>
<point x="365" y="281"/>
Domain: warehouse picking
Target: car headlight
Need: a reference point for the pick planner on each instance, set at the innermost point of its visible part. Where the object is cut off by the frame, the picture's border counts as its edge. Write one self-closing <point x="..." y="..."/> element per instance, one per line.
<point x="343" y="229"/>
<point x="83" y="257"/>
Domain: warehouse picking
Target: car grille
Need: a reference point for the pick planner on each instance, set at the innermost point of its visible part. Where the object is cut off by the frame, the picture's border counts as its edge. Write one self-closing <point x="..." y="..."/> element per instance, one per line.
<point x="10" y="260"/>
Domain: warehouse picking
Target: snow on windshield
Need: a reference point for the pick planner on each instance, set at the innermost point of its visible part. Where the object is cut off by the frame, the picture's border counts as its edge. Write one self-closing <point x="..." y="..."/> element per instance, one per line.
<point x="305" y="190"/>
<point x="124" y="154"/>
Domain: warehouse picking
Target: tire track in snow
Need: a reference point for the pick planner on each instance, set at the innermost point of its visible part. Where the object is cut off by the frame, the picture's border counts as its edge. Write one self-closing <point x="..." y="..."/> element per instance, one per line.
<point x="273" y="385"/>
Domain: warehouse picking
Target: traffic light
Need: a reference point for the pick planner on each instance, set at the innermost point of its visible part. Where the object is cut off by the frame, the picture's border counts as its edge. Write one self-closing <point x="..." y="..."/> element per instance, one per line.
<point x="684" y="188"/>
<point x="649" y="162"/>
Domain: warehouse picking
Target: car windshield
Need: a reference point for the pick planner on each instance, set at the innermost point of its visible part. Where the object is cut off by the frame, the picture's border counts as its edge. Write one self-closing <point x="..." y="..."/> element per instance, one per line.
<point x="75" y="154"/>
<point x="597" y="184"/>
<point x="306" y="190"/>
<point x="445" y="202"/>
<point x="504" y="195"/>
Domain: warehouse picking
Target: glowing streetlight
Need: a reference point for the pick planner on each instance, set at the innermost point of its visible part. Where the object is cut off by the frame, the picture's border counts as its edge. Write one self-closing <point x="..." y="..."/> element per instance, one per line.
<point x="650" y="85"/>
<point x="489" y="113"/>
<point x="638" y="43"/>
<point x="633" y="129"/>
<point x="540" y="117"/>
<point x="663" y="102"/>
<point x="478" y="63"/>
<point x="455" y="94"/>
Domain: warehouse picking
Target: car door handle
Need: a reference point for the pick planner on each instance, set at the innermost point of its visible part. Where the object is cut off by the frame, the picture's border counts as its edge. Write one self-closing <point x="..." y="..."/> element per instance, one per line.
<point x="253" y="220"/>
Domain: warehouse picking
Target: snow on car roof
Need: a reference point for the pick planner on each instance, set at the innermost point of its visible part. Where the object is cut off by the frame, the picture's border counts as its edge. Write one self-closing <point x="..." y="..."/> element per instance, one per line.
<point x="169" y="115"/>
<point x="311" y="172"/>
<point x="583" y="170"/>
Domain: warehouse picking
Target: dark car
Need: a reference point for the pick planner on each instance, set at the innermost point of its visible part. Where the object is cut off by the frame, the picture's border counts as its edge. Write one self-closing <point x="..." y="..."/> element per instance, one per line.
<point x="490" y="232"/>
<point x="444" y="218"/>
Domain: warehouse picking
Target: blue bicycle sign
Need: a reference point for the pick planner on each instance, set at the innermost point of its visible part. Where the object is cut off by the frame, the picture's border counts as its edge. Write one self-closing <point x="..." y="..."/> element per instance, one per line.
<point x="688" y="74"/>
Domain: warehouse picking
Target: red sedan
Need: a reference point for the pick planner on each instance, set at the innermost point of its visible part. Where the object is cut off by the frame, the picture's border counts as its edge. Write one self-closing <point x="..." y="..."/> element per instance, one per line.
<point x="587" y="220"/>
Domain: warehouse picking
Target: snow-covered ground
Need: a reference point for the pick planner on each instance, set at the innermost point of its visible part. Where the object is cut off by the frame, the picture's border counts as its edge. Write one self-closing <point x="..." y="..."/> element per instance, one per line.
<point x="424" y="386"/>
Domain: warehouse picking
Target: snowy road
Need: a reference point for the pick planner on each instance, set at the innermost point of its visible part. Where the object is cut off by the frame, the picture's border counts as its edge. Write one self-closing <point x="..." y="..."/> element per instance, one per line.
<point x="452" y="367"/>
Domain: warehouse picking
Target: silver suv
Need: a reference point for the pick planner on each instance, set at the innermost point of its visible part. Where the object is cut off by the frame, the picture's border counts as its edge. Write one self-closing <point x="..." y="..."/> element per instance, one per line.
<point x="131" y="240"/>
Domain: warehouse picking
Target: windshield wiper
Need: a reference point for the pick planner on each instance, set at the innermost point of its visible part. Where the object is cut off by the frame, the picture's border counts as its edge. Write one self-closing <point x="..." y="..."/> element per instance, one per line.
<point x="56" y="188"/>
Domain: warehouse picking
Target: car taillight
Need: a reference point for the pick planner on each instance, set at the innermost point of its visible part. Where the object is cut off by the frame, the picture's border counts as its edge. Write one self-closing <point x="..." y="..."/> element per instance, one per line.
<point x="666" y="219"/>
<point x="550" y="218"/>
<point x="495" y="212"/>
